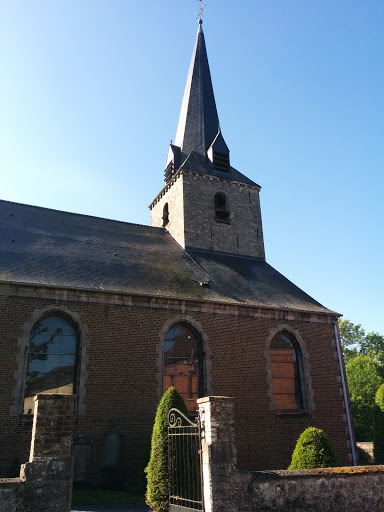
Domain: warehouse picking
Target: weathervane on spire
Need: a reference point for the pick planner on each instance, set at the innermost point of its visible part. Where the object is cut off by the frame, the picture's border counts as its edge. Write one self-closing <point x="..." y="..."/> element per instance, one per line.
<point x="200" y="13"/>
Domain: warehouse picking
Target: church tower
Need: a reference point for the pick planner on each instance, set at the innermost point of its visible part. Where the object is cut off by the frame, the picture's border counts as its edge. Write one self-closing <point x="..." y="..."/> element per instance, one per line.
<point x="206" y="203"/>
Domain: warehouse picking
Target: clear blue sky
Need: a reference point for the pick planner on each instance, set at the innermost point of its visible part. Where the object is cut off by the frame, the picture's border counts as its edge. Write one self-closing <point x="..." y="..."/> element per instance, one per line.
<point x="90" y="93"/>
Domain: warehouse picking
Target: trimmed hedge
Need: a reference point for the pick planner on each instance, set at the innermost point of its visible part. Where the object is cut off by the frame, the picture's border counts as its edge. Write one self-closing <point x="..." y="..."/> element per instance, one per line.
<point x="157" y="495"/>
<point x="314" y="449"/>
<point x="378" y="427"/>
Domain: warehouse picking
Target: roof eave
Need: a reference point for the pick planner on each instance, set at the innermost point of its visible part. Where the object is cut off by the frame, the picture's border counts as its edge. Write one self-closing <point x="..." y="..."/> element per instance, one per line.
<point x="169" y="297"/>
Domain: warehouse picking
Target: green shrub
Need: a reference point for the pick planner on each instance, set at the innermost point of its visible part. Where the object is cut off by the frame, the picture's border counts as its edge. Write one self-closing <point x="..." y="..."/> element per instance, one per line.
<point x="314" y="449"/>
<point x="157" y="496"/>
<point x="378" y="427"/>
<point x="144" y="461"/>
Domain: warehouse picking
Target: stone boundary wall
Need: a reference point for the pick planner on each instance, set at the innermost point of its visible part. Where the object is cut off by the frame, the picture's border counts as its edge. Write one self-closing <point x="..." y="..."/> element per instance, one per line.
<point x="227" y="489"/>
<point x="309" y="491"/>
<point x="10" y="494"/>
<point x="45" y="483"/>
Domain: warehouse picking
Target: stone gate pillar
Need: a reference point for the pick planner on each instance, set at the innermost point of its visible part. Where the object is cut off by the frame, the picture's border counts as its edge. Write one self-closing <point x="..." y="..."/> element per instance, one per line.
<point x="218" y="452"/>
<point x="52" y="426"/>
<point x="47" y="477"/>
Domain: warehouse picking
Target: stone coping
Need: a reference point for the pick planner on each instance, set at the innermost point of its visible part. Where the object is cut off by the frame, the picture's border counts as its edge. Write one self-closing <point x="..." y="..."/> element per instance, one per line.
<point x="10" y="482"/>
<point x="310" y="473"/>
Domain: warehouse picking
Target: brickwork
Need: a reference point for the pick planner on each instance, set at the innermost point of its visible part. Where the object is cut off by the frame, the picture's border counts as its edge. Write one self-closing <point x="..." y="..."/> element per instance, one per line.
<point x="124" y="377"/>
<point x="192" y="214"/>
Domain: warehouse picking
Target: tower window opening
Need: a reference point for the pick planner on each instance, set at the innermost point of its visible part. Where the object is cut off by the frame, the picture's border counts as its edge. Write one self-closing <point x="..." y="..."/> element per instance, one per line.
<point x="222" y="211"/>
<point x="221" y="161"/>
<point x="165" y="215"/>
<point x="169" y="171"/>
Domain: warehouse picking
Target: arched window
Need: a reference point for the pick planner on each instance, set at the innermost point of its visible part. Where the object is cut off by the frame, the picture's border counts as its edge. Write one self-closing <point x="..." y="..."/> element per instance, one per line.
<point x="289" y="387"/>
<point x="165" y="215"/>
<point x="184" y="363"/>
<point x="52" y="358"/>
<point x="222" y="212"/>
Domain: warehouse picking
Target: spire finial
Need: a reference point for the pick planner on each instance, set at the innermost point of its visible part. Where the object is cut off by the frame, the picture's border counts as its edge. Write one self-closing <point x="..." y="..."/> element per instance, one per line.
<point x="200" y="13"/>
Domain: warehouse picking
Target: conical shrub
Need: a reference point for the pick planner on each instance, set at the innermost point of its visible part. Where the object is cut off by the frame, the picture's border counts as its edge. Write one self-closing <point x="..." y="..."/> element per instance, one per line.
<point x="157" y="495"/>
<point x="314" y="449"/>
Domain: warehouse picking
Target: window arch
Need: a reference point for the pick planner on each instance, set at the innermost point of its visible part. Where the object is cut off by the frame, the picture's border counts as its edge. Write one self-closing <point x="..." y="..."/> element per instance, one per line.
<point x="289" y="386"/>
<point x="165" y="215"/>
<point x="222" y="210"/>
<point x="52" y="358"/>
<point x="184" y="363"/>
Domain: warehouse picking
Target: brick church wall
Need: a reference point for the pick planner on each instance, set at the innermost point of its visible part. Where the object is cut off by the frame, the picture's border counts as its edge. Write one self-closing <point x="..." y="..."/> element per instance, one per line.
<point x="123" y="377"/>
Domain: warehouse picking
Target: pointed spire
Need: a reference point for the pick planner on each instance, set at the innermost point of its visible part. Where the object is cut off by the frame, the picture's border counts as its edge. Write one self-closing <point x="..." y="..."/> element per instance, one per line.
<point x="198" y="123"/>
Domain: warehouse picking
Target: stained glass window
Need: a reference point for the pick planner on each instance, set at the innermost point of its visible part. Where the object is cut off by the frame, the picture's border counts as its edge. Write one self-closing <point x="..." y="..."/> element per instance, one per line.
<point x="53" y="345"/>
<point x="287" y="373"/>
<point x="183" y="364"/>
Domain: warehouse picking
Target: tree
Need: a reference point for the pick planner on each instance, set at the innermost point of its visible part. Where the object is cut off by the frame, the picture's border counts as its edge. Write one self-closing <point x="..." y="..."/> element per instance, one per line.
<point x="355" y="341"/>
<point x="364" y="378"/>
<point x="364" y="358"/>
<point x="314" y="449"/>
<point x="378" y="427"/>
<point x="351" y="336"/>
<point x="157" y="495"/>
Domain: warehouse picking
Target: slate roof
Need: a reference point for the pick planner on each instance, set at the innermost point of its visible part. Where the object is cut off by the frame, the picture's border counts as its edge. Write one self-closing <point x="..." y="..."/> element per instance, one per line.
<point x="253" y="281"/>
<point x="49" y="247"/>
<point x="199" y="126"/>
<point x="197" y="163"/>
<point x="199" y="121"/>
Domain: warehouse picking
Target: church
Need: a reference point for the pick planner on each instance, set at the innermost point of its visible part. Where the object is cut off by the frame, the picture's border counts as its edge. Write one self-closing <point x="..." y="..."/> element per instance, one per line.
<point x="116" y="313"/>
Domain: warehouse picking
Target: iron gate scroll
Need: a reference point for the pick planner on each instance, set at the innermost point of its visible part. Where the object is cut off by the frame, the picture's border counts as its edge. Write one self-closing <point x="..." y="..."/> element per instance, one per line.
<point x="184" y="458"/>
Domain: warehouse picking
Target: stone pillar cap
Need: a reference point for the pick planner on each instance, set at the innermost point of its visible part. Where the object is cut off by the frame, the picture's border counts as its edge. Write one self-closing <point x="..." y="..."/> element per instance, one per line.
<point x="56" y="396"/>
<point x="212" y="398"/>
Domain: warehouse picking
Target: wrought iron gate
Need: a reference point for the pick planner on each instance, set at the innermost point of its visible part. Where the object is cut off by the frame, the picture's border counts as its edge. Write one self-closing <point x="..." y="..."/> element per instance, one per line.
<point x="184" y="463"/>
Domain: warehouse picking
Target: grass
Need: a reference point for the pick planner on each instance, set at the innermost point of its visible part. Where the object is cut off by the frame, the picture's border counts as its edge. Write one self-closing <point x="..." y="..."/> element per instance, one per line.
<point x="104" y="497"/>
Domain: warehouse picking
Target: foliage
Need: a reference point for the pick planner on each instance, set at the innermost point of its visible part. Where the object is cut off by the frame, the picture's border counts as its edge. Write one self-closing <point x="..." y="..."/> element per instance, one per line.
<point x="363" y="374"/>
<point x="157" y="496"/>
<point x="314" y="449"/>
<point x="144" y="461"/>
<point x="378" y="427"/>
<point x="364" y="377"/>
<point x="364" y="358"/>
<point x="362" y="415"/>
<point x="379" y="398"/>
<point x="355" y="341"/>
